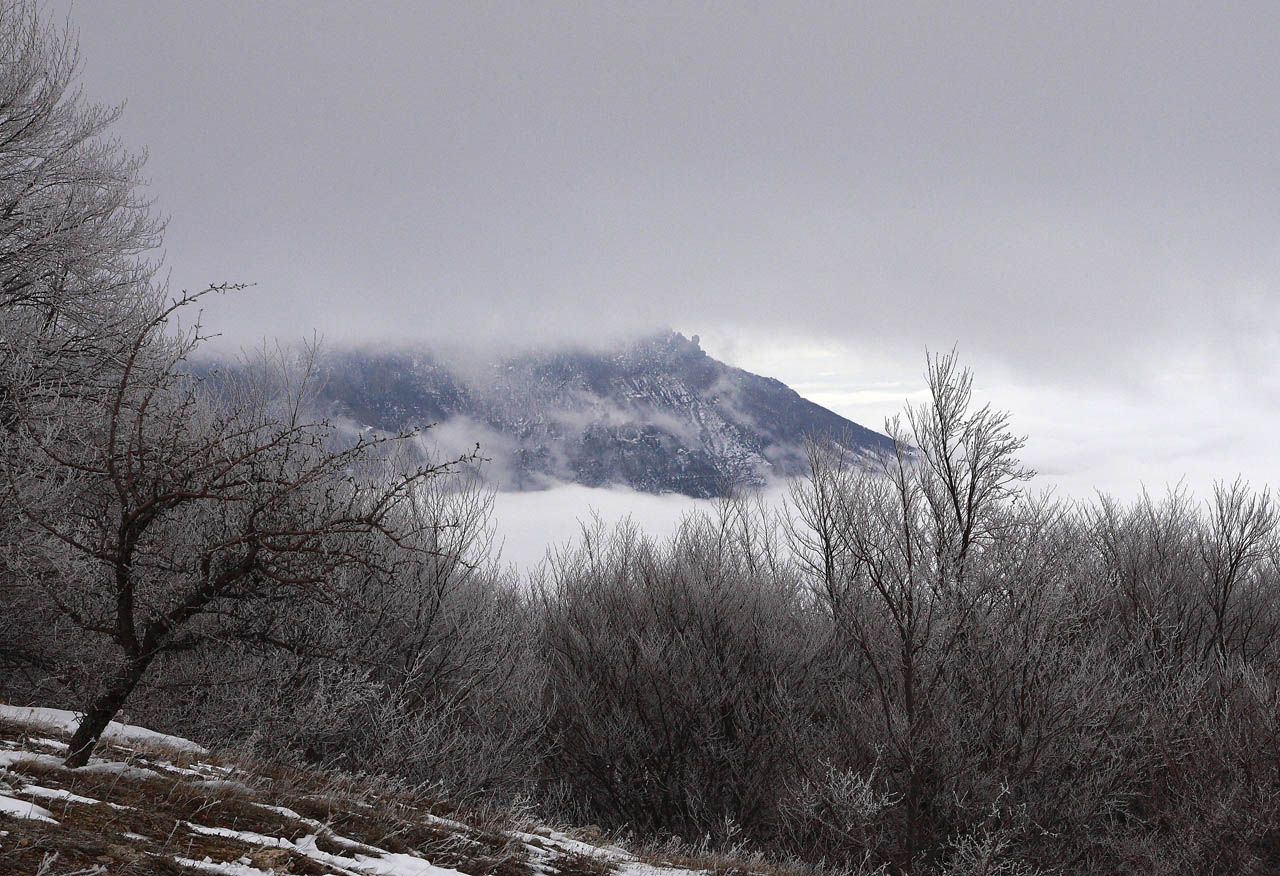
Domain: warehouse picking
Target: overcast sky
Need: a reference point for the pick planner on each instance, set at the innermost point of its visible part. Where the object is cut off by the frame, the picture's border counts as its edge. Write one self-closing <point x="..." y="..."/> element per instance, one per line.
<point x="1083" y="197"/>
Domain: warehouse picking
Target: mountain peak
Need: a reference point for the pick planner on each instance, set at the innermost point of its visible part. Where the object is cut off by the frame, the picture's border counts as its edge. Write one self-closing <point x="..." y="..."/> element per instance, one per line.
<point x="656" y="414"/>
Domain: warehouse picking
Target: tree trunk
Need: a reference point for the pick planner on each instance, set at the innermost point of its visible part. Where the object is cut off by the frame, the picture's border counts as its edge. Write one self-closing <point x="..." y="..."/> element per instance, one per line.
<point x="104" y="708"/>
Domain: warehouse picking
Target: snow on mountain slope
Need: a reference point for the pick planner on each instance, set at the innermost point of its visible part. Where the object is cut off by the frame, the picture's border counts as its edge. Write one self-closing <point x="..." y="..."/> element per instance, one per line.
<point x="658" y="415"/>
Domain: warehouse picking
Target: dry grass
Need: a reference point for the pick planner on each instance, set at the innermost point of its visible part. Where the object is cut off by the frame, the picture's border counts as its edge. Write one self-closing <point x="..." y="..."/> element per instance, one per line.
<point x="703" y="857"/>
<point x="142" y="818"/>
<point x="146" y="817"/>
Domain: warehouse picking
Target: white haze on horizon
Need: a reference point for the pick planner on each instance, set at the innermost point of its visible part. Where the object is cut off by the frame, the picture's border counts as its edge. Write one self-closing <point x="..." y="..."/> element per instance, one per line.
<point x="530" y="526"/>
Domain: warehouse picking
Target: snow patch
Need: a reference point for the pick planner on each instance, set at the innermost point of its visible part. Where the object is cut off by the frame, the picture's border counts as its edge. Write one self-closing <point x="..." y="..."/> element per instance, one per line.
<point x="245" y="836"/>
<point x="25" y="809"/>
<point x="317" y="826"/>
<point x="233" y="868"/>
<point x="380" y="864"/>
<point x="116" y="768"/>
<point x="66" y="721"/>
<point x="9" y="758"/>
<point x="54" y="794"/>
<point x="51" y="743"/>
<point x="560" y="843"/>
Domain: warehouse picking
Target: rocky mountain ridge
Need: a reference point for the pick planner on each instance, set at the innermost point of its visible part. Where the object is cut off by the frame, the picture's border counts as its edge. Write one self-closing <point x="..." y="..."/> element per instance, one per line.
<point x="658" y="415"/>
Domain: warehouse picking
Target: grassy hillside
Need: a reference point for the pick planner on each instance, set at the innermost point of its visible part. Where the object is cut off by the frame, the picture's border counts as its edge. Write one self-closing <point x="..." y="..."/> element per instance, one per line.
<point x="152" y="804"/>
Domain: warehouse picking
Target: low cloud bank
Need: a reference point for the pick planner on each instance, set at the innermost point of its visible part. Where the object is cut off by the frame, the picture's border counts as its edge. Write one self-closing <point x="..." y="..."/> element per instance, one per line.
<point x="531" y="525"/>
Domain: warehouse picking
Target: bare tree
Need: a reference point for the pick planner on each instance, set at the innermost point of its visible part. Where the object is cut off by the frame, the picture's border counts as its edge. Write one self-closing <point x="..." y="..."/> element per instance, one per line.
<point x="1234" y="548"/>
<point x="74" y="230"/>
<point x="422" y="664"/>
<point x="74" y="274"/>
<point x="968" y="462"/>
<point x="166" y="514"/>
<point x="447" y="647"/>
<point x="909" y="529"/>
<point x="814" y="505"/>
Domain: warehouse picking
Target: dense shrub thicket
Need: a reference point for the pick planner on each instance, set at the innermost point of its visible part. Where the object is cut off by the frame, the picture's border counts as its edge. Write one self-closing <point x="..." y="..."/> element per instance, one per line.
<point x="918" y="666"/>
<point x="935" y="671"/>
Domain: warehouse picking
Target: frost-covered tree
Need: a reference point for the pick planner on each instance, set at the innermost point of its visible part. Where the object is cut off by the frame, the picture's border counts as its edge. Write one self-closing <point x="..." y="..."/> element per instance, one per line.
<point x="147" y="511"/>
<point x="75" y="228"/>
<point x="891" y="544"/>
<point x="167" y="514"/>
<point x="75" y="278"/>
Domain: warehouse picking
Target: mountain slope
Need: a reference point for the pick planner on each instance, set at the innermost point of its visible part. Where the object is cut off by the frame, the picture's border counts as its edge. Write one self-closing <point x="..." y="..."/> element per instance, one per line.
<point x="148" y="803"/>
<point x="657" y="415"/>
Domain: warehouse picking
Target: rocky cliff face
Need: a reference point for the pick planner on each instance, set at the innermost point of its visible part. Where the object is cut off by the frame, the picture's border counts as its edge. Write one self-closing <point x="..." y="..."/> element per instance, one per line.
<point x="657" y="415"/>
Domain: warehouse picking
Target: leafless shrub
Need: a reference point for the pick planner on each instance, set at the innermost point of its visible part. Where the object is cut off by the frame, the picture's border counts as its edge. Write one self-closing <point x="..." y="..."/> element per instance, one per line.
<point x="423" y="670"/>
<point x="675" y="671"/>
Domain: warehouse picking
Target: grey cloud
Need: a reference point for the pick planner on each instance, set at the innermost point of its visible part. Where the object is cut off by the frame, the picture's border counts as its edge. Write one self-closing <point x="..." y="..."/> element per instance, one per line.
<point x="460" y="436"/>
<point x="1078" y="194"/>
<point x="1063" y="184"/>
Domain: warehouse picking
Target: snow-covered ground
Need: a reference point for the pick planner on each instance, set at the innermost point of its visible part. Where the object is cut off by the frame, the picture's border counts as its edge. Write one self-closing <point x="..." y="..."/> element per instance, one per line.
<point x="149" y="802"/>
<point x="125" y="734"/>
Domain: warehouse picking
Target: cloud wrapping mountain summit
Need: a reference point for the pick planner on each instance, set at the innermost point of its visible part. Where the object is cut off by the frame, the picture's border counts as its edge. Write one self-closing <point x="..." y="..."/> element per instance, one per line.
<point x="657" y="415"/>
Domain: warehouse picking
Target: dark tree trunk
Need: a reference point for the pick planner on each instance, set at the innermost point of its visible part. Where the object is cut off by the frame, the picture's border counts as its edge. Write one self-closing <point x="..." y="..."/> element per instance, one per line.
<point x="104" y="708"/>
